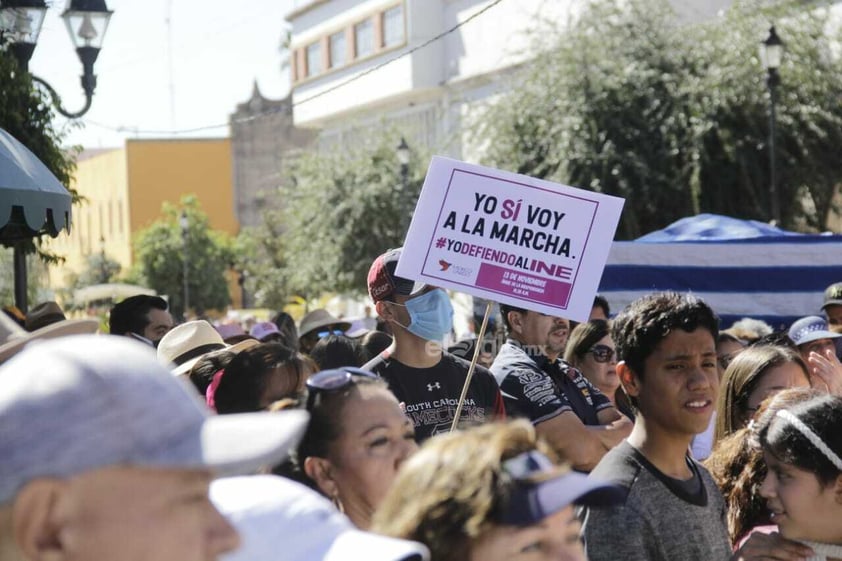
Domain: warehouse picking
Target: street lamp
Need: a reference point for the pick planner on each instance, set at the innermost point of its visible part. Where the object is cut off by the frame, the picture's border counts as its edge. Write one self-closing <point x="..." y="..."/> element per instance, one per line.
<point x="103" y="269"/>
<point x="185" y="224"/>
<point x="403" y="154"/>
<point x="241" y="282"/>
<point x="402" y="151"/>
<point x="771" y="53"/>
<point x="86" y="21"/>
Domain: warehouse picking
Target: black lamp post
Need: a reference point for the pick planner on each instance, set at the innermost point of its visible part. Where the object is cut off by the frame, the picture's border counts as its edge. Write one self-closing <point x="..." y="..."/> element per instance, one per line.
<point x="403" y="154"/>
<point x="402" y="151"/>
<point x="241" y="281"/>
<point x="185" y="225"/>
<point x="86" y="20"/>
<point x="103" y="267"/>
<point x="772" y="52"/>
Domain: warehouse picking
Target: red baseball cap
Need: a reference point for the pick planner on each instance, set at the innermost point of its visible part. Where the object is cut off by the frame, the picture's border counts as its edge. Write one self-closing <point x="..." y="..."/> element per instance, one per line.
<point x="382" y="281"/>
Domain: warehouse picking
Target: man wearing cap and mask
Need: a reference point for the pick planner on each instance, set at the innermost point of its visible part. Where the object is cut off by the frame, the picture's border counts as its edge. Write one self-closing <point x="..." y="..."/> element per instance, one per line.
<point x="106" y="456"/>
<point x="425" y="378"/>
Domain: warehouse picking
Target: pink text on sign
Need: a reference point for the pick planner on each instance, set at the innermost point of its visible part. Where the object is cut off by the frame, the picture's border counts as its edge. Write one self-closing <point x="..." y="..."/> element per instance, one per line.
<point x="524" y="286"/>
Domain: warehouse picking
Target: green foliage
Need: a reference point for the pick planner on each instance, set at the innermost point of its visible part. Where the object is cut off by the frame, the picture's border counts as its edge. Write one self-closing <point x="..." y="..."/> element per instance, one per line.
<point x="336" y="213"/>
<point x="674" y="118"/>
<point x="160" y="251"/>
<point x="27" y="115"/>
<point x="36" y="275"/>
<point x="99" y="269"/>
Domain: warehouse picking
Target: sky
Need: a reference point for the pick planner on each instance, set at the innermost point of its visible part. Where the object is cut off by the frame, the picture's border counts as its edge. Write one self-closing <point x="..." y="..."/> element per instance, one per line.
<point x="145" y="88"/>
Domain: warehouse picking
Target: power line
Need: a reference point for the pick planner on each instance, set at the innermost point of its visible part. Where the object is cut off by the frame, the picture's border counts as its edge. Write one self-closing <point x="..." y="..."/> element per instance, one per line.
<point x="409" y="52"/>
<point x="315" y="96"/>
<point x="150" y="131"/>
<point x="185" y="131"/>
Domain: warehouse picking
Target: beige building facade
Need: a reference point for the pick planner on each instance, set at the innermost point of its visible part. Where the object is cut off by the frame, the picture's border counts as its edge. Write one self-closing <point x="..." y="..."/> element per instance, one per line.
<point x="124" y="188"/>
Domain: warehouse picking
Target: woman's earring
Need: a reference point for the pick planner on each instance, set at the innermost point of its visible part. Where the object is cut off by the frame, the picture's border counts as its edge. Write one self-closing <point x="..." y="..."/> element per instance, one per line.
<point x="338" y="504"/>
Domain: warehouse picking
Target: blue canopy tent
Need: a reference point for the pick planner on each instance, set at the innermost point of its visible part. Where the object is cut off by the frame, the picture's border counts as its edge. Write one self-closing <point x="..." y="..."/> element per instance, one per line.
<point x="742" y="268"/>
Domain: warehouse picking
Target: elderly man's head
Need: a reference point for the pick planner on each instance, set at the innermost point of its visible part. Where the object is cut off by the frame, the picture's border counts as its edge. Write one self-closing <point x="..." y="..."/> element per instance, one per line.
<point x="107" y="456"/>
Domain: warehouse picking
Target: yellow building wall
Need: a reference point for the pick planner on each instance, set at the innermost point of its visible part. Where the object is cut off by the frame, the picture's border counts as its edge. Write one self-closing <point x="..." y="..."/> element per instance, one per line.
<point x="124" y="189"/>
<point x="101" y="221"/>
<point x="166" y="170"/>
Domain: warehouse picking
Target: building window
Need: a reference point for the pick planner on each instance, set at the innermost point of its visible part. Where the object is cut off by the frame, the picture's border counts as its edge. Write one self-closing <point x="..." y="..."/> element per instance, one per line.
<point x="338" y="50"/>
<point x="364" y="38"/>
<point x="393" y="28"/>
<point x="314" y="59"/>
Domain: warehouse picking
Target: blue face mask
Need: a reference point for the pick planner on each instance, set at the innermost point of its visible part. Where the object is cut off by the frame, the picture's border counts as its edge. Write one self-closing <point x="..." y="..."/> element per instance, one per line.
<point x="430" y="315"/>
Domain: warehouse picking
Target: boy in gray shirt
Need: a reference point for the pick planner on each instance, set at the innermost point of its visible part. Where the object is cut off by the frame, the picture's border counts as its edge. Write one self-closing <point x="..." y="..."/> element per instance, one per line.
<point x="673" y="509"/>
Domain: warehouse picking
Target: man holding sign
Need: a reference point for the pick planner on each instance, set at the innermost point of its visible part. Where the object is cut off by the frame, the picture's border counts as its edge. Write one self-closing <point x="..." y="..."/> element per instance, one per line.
<point x="421" y="375"/>
<point x="526" y="242"/>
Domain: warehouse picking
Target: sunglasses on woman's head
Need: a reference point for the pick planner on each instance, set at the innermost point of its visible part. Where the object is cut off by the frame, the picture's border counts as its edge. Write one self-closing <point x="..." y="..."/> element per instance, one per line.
<point x="602" y="353"/>
<point x="333" y="380"/>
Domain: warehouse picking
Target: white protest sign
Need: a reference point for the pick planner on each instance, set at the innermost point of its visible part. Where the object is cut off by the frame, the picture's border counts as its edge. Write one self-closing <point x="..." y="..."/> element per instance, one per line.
<point x="510" y="238"/>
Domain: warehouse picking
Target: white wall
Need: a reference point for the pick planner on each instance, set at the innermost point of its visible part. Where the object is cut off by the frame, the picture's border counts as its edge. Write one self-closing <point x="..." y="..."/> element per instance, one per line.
<point x="496" y="39"/>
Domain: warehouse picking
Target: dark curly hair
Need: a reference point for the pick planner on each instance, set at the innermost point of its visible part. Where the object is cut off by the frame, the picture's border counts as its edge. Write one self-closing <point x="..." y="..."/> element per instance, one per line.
<point x="647" y="321"/>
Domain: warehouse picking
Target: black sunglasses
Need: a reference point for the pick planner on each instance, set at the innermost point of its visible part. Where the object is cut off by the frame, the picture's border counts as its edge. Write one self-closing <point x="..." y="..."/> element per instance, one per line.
<point x="601" y="353"/>
<point x="333" y="380"/>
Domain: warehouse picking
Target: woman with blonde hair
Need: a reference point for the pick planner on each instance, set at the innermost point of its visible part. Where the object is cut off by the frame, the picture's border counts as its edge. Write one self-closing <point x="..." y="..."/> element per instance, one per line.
<point x="755" y="374"/>
<point x="490" y="493"/>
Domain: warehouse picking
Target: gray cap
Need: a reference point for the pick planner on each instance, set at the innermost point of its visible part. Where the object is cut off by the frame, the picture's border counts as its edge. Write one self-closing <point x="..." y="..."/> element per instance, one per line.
<point x="84" y="402"/>
<point x="809" y="329"/>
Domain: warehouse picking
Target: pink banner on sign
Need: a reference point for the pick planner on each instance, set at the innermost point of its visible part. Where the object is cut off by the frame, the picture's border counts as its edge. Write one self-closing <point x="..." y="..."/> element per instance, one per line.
<point x="523" y="285"/>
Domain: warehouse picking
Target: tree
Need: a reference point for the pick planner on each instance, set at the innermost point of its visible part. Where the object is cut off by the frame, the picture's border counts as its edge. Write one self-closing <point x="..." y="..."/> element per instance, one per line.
<point x="334" y="215"/>
<point x="160" y="252"/>
<point x="99" y="269"/>
<point x="674" y="118"/>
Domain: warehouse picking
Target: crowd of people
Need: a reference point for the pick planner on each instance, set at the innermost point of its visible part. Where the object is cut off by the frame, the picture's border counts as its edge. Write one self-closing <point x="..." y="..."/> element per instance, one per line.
<point x="650" y="435"/>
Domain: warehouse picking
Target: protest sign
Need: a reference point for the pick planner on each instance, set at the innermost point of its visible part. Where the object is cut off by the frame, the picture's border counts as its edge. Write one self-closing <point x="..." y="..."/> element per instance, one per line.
<point x="510" y="238"/>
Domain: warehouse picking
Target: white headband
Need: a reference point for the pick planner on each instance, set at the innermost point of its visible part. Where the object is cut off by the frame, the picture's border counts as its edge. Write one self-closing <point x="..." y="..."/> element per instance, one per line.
<point x="808" y="433"/>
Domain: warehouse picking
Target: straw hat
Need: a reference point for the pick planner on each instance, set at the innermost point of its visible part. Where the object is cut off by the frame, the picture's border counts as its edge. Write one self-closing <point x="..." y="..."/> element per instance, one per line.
<point x="320" y="318"/>
<point x="14" y="338"/>
<point x="185" y="344"/>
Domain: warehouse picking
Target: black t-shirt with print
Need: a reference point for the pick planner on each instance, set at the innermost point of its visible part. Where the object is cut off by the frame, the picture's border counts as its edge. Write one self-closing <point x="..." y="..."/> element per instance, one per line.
<point x="539" y="389"/>
<point x="431" y="395"/>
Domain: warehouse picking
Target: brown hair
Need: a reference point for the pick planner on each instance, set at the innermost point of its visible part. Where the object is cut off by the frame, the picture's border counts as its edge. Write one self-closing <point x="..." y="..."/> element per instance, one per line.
<point x="447" y="494"/>
<point x="739" y="380"/>
<point x="583" y="337"/>
<point x="736" y="464"/>
<point x="248" y="373"/>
